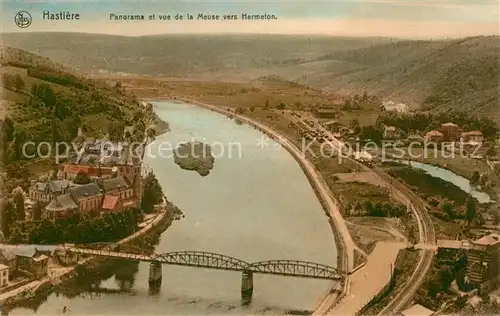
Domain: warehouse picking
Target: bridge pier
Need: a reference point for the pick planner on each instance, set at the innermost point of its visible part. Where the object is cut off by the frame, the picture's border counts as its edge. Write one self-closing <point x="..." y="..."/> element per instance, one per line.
<point x="246" y="287"/>
<point x="155" y="275"/>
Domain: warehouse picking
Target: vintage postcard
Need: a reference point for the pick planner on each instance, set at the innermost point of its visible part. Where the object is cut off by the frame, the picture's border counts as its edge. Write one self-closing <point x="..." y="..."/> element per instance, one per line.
<point x="282" y="157"/>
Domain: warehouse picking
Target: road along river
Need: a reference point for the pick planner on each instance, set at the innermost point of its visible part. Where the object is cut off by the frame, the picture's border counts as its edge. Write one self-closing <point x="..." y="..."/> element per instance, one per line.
<point x="256" y="204"/>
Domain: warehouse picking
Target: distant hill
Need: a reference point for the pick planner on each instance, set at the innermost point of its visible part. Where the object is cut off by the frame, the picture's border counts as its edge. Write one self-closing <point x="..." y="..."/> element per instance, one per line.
<point x="456" y="74"/>
<point x="179" y="55"/>
<point x="440" y="75"/>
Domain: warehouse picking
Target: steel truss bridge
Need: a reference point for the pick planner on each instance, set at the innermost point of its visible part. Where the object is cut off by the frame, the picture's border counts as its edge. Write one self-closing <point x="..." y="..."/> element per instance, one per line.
<point x="201" y="259"/>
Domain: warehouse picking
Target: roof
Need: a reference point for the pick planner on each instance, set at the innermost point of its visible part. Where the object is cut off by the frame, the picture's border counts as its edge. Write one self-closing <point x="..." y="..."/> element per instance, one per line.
<point x="449" y="244"/>
<point x="85" y="190"/>
<point x="363" y="155"/>
<point x="7" y="254"/>
<point x="417" y="310"/>
<point x="22" y="251"/>
<point x="114" y="183"/>
<point x="75" y="169"/>
<point x="40" y="258"/>
<point x="434" y="133"/>
<point x="61" y="203"/>
<point x="472" y="133"/>
<point x="389" y="128"/>
<point x="3" y="267"/>
<point x="449" y="124"/>
<point x="110" y="202"/>
<point x="487" y="240"/>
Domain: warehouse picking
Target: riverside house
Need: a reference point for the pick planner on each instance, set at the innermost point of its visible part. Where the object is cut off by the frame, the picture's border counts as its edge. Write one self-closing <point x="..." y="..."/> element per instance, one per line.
<point x="451" y="132"/>
<point x="9" y="259"/>
<point x="433" y="137"/>
<point x="473" y="137"/>
<point x="25" y="259"/>
<point x="46" y="191"/>
<point x="4" y="275"/>
<point x="482" y="261"/>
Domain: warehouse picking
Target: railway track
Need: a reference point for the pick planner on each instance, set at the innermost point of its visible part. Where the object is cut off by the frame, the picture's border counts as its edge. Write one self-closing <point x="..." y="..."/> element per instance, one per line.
<point x="425" y="225"/>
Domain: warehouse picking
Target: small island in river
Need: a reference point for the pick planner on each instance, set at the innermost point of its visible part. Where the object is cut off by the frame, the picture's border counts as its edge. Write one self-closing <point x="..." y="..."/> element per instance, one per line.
<point x="195" y="156"/>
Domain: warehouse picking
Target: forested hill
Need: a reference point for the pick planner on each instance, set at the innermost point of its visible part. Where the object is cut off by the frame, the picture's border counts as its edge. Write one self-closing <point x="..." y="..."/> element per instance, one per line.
<point x="442" y="75"/>
<point x="44" y="102"/>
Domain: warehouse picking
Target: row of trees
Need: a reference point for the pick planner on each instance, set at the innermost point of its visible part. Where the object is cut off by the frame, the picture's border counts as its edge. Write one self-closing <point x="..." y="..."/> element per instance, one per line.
<point x="79" y="228"/>
<point x="152" y="193"/>
<point x="377" y="209"/>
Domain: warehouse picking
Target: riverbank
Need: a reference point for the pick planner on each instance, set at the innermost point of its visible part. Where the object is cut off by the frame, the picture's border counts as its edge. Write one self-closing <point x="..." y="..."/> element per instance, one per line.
<point x="344" y="244"/>
<point x="43" y="287"/>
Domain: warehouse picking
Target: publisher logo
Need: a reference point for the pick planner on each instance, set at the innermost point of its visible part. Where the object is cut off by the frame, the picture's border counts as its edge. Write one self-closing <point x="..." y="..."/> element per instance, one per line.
<point x="23" y="19"/>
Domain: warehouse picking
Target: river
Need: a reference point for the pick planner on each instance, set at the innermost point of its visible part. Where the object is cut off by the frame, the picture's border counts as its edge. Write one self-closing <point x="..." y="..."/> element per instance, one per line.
<point x="255" y="205"/>
<point x="450" y="176"/>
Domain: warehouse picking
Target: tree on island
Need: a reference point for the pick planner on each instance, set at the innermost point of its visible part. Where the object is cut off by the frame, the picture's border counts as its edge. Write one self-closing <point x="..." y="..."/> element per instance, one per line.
<point x="82" y="178"/>
<point x="152" y="193"/>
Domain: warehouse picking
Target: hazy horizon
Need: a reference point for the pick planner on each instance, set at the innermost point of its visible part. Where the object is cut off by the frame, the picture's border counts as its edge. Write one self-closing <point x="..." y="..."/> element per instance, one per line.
<point x="423" y="38"/>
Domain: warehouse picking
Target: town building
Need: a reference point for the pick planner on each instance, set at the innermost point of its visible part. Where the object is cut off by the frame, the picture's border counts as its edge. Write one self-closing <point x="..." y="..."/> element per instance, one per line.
<point x="116" y="181"/>
<point x="9" y="259"/>
<point x="26" y="259"/>
<point x="326" y="113"/>
<point x="389" y="132"/>
<point x="417" y="310"/>
<point x="482" y="260"/>
<point x="45" y="191"/>
<point x="61" y="206"/>
<point x="475" y="137"/>
<point x="4" y="275"/>
<point x="451" y="132"/>
<point x="433" y="137"/>
<point x="69" y="172"/>
<point x="88" y="196"/>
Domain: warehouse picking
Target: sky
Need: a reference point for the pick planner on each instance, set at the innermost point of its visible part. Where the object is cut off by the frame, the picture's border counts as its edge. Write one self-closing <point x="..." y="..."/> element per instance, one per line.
<point x="394" y="18"/>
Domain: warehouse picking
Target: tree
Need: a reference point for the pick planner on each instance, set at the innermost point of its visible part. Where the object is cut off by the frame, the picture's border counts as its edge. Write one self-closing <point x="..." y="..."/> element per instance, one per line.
<point x="45" y="93"/>
<point x="152" y="193"/>
<point x="37" y="212"/>
<point x="18" y="200"/>
<point x="470" y="212"/>
<point x="7" y="216"/>
<point x="445" y="277"/>
<point x="475" y="177"/>
<point x="82" y="178"/>
<point x="18" y="83"/>
<point x="491" y="152"/>
<point x="151" y="133"/>
<point x="8" y="81"/>
<point x="281" y="106"/>
<point x="448" y="209"/>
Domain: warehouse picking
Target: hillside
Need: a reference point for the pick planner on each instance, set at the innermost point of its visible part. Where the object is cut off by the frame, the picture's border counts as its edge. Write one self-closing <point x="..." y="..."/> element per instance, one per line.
<point x="440" y="75"/>
<point x="443" y="75"/>
<point x="179" y="55"/>
<point x="44" y="102"/>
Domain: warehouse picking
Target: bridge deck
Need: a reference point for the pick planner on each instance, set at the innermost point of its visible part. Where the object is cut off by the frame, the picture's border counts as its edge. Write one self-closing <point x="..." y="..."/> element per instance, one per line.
<point x="210" y="260"/>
